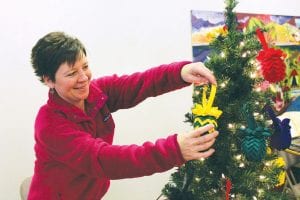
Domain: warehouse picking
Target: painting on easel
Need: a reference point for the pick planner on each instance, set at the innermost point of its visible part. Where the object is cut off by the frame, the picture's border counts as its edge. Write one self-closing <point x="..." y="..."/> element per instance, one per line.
<point x="282" y="32"/>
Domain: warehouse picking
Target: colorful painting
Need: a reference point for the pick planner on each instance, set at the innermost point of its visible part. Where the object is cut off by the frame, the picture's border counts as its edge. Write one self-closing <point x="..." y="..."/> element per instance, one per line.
<point x="282" y="32"/>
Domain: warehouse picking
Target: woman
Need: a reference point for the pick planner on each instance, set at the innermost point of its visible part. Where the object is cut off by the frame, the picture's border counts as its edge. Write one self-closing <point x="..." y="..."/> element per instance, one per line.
<point x="75" y="157"/>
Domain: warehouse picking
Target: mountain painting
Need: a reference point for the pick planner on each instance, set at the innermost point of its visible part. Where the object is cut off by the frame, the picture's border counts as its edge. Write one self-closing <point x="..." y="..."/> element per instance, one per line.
<point x="282" y="32"/>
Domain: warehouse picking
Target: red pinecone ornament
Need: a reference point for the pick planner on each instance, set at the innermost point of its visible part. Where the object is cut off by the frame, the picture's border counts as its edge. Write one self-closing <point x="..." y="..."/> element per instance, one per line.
<point x="272" y="64"/>
<point x="271" y="60"/>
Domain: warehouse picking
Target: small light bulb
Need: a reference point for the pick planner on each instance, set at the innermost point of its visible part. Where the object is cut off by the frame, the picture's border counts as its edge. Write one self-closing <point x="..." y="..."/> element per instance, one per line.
<point x="262" y="177"/>
<point x="253" y="75"/>
<point x="223" y="85"/>
<point x="258" y="89"/>
<point x="238" y="157"/>
<point x="268" y="164"/>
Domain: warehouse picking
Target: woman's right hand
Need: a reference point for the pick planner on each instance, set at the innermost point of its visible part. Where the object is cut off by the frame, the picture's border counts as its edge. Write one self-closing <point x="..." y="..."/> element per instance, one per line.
<point x="194" y="145"/>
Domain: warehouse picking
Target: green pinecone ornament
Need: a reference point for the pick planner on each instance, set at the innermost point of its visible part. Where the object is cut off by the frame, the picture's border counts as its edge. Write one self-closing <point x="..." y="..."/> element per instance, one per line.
<point x="254" y="137"/>
<point x="254" y="143"/>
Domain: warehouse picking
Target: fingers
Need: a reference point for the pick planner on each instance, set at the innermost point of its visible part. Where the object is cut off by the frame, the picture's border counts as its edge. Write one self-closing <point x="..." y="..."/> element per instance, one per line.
<point x="197" y="73"/>
<point x="201" y="81"/>
<point x="194" y="145"/>
<point x="203" y="72"/>
<point x="208" y="75"/>
<point x="200" y="131"/>
<point x="204" y="142"/>
<point x="205" y="154"/>
<point x="202" y="146"/>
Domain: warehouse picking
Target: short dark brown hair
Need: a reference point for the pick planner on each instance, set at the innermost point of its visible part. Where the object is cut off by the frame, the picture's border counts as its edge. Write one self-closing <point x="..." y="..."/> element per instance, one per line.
<point x="52" y="50"/>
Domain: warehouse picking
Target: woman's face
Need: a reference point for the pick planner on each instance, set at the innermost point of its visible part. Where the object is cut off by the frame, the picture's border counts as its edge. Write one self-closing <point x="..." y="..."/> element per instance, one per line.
<point x="72" y="82"/>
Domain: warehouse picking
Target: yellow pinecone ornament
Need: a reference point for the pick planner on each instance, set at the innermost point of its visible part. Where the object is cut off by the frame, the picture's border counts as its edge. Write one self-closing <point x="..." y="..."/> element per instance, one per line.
<point x="204" y="113"/>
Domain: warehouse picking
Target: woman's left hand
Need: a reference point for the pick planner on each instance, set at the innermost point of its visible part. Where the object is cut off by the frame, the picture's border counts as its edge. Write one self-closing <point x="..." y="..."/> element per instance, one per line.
<point x="198" y="74"/>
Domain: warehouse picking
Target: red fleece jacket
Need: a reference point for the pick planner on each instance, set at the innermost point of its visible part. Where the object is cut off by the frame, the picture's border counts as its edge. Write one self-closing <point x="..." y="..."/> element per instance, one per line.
<point x="75" y="157"/>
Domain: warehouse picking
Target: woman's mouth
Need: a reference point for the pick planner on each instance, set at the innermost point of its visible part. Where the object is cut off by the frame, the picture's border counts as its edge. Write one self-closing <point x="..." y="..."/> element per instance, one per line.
<point x="81" y="87"/>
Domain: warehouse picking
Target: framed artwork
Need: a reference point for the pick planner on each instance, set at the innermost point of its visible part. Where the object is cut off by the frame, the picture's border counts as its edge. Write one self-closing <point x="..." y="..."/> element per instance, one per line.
<point x="282" y="32"/>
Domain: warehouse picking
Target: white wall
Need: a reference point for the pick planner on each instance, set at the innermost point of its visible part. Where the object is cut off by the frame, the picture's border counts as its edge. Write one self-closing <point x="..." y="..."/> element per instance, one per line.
<point x="121" y="37"/>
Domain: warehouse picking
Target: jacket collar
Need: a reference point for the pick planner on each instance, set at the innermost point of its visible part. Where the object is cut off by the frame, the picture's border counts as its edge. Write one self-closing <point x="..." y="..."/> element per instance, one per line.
<point x="94" y="102"/>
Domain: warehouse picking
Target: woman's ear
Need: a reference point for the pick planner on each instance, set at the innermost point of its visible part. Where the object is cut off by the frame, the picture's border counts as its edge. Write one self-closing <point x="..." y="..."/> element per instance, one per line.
<point x="48" y="82"/>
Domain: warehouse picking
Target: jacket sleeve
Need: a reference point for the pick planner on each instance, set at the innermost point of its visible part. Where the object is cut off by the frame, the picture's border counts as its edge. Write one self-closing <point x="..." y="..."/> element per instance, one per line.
<point x="136" y="161"/>
<point x="63" y="142"/>
<point x="128" y="90"/>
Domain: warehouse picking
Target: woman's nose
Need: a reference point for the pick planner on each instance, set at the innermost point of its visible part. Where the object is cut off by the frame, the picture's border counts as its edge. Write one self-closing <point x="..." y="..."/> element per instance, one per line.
<point x="83" y="76"/>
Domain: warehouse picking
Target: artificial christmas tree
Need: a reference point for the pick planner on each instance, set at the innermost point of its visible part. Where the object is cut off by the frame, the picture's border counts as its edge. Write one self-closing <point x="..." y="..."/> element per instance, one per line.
<point x="243" y="166"/>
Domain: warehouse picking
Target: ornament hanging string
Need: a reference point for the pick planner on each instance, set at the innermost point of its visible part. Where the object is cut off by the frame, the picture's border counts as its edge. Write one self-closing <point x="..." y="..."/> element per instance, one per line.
<point x="207" y="103"/>
<point x="262" y="39"/>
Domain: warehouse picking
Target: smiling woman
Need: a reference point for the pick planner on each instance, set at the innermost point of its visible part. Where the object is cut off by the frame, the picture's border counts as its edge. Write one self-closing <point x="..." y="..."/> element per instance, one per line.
<point x="72" y="81"/>
<point x="74" y="130"/>
<point x="66" y="56"/>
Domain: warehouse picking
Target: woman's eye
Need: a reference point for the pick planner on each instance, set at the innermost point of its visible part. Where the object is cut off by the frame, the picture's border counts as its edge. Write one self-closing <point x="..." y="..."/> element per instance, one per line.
<point x="71" y="74"/>
<point x="85" y="67"/>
